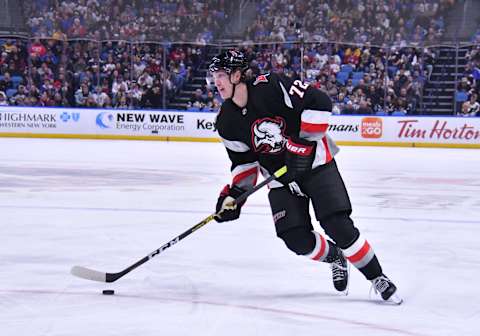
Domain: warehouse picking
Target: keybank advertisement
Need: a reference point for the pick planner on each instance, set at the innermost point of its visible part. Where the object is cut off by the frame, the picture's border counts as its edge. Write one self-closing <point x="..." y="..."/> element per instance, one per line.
<point x="28" y="121"/>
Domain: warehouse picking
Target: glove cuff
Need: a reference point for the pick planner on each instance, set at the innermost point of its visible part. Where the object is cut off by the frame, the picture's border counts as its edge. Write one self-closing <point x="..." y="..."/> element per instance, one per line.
<point x="234" y="192"/>
<point x="301" y="147"/>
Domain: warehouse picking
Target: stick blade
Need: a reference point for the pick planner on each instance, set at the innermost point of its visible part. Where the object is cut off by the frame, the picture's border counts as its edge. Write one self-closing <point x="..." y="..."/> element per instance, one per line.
<point x="89" y="274"/>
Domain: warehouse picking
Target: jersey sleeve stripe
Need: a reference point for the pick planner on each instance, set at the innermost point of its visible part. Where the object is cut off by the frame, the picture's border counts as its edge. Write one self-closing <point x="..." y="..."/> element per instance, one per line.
<point x="313" y="128"/>
<point x="328" y="154"/>
<point x="245" y="175"/>
<point x="286" y="97"/>
<point x="315" y="116"/>
<point x="314" y="121"/>
<point x="236" y="146"/>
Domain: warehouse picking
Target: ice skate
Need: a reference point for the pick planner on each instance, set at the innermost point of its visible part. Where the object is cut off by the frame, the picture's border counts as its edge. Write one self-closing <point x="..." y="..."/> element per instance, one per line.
<point x="385" y="287"/>
<point x="340" y="272"/>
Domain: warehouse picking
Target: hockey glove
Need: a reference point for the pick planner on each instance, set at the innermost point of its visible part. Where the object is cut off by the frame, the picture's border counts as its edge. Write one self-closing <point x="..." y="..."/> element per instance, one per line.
<point x="226" y="211"/>
<point x="298" y="159"/>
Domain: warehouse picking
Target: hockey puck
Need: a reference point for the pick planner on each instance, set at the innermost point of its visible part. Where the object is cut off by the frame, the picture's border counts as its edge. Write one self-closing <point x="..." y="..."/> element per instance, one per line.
<point x="108" y="292"/>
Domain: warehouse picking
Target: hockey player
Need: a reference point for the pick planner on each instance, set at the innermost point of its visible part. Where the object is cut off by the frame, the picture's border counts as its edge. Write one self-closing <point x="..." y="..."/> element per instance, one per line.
<point x="271" y="121"/>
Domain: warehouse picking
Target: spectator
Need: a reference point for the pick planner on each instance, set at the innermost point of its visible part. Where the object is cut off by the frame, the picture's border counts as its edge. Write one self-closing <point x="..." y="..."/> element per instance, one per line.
<point x="100" y="98"/>
<point x="122" y="102"/>
<point x="37" y="49"/>
<point x="3" y="99"/>
<point x="77" y="29"/>
<point x="471" y="107"/>
<point x="19" y="97"/>
<point x="136" y="94"/>
<point x="145" y="81"/>
<point x="6" y="83"/>
<point x="152" y="97"/>
<point x="197" y="100"/>
<point x="119" y="86"/>
<point x="81" y="95"/>
<point x="348" y="108"/>
<point x="364" y="108"/>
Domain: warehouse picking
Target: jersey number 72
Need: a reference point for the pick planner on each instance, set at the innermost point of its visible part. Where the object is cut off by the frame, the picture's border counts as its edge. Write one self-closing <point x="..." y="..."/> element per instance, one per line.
<point x="298" y="88"/>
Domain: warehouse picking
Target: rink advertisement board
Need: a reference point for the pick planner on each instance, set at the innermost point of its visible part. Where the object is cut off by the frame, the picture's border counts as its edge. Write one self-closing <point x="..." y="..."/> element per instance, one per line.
<point x="42" y="120"/>
<point x="111" y="124"/>
<point x="156" y="124"/>
<point x="200" y="126"/>
<point x="406" y="131"/>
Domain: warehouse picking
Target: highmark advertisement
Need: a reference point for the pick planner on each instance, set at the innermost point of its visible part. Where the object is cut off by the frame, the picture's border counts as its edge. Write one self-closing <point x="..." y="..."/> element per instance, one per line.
<point x="41" y="120"/>
<point x="200" y="126"/>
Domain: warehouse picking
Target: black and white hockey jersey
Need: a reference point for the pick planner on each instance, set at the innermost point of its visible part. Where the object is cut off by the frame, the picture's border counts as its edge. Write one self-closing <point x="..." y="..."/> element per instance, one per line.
<point x="277" y="108"/>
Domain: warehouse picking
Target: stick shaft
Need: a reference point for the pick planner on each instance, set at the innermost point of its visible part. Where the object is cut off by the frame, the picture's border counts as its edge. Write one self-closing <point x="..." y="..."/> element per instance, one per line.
<point x="90" y="274"/>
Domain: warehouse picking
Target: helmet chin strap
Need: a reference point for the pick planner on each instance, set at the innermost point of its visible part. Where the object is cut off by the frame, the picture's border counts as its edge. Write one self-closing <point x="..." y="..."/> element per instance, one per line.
<point x="234" y="86"/>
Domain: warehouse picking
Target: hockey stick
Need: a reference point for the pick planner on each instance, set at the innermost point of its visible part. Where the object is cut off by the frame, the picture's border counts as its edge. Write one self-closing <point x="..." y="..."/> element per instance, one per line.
<point x="90" y="274"/>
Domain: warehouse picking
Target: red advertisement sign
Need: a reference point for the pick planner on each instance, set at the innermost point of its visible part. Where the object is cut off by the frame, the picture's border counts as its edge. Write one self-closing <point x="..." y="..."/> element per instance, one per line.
<point x="372" y="127"/>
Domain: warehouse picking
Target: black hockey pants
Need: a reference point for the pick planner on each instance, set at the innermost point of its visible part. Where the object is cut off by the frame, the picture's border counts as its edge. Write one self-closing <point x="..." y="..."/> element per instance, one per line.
<point x="325" y="189"/>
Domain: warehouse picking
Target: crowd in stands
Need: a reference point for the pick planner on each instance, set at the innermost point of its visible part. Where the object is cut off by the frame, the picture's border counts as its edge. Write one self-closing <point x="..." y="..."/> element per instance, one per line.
<point x="359" y="79"/>
<point x="90" y="74"/>
<point x="353" y="21"/>
<point x="204" y="99"/>
<point x="74" y="59"/>
<point x="399" y="22"/>
<point x="468" y="89"/>
<point x="137" y="20"/>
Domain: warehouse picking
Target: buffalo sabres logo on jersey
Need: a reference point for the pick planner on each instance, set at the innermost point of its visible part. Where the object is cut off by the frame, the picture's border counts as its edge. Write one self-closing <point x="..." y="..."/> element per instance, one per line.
<point x="261" y="79"/>
<point x="268" y="135"/>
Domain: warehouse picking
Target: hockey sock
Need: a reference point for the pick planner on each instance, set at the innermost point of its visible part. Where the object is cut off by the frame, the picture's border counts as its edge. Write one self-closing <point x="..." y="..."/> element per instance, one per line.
<point x="324" y="249"/>
<point x="361" y="255"/>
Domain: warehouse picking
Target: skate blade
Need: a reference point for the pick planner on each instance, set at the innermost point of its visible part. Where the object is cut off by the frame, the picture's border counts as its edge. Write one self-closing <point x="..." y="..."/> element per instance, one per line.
<point x="345" y="292"/>
<point x="395" y="299"/>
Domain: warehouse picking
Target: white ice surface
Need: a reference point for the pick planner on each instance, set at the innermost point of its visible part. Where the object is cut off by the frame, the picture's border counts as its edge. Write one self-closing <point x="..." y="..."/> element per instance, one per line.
<point x="106" y="204"/>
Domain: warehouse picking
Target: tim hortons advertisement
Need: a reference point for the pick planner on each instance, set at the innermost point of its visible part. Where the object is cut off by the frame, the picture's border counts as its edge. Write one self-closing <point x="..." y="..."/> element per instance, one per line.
<point x="443" y="130"/>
